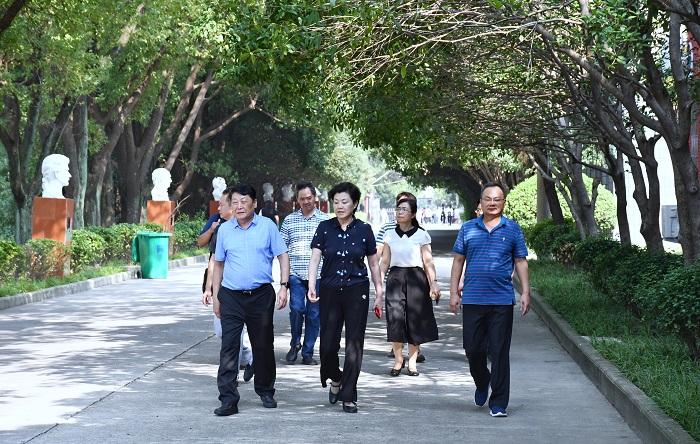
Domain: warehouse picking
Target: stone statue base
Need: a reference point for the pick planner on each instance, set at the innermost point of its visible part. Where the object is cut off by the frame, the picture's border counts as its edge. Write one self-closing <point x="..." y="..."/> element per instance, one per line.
<point x="53" y="219"/>
<point x="162" y="212"/>
<point x="213" y="207"/>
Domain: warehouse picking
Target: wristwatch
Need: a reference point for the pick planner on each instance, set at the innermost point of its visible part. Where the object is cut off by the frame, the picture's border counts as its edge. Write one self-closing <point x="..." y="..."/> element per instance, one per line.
<point x="285" y="284"/>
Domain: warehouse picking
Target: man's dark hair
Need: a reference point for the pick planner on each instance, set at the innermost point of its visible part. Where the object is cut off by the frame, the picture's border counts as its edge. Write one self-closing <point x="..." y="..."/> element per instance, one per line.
<point x="405" y="195"/>
<point x="309" y="185"/>
<point x="243" y="189"/>
<point x="346" y="187"/>
<point x="492" y="184"/>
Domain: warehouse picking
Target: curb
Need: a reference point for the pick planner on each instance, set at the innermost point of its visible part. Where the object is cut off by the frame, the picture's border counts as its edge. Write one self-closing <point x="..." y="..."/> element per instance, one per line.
<point x="639" y="411"/>
<point x="132" y="272"/>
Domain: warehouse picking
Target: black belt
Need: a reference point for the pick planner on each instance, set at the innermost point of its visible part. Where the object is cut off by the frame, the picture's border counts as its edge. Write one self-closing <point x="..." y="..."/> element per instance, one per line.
<point x="254" y="290"/>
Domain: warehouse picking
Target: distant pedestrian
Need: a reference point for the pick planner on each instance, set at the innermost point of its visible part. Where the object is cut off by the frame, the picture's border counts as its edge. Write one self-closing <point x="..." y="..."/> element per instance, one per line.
<point x="492" y="246"/>
<point x="269" y="210"/>
<point x="344" y="242"/>
<point x="411" y="285"/>
<point x="297" y="231"/>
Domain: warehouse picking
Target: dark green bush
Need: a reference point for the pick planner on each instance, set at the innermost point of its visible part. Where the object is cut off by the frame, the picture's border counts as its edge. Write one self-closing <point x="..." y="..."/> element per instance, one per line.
<point x="543" y="238"/>
<point x="12" y="260"/>
<point x="600" y="256"/>
<point x="638" y="271"/>
<point x="564" y="246"/>
<point x="186" y="234"/>
<point x="88" y="250"/>
<point x="673" y="303"/>
<point x="45" y="258"/>
<point x="588" y="250"/>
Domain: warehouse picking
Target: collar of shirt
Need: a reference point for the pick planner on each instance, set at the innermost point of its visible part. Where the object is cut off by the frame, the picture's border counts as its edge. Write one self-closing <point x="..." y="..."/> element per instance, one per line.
<point x="336" y="223"/>
<point x="256" y="217"/>
<point x="315" y="214"/>
<point x="408" y="233"/>
<point x="479" y="222"/>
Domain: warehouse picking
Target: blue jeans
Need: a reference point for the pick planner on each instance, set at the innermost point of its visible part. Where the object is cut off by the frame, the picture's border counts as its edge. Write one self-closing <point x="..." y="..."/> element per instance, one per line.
<point x="299" y="308"/>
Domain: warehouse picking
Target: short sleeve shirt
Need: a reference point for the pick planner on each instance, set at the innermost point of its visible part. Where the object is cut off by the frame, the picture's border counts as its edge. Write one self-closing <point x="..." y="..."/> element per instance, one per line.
<point x="383" y="230"/>
<point x="406" y="246"/>
<point x="248" y="253"/>
<point x="344" y="252"/>
<point x="489" y="257"/>
<point x="213" y="218"/>
<point x="297" y="232"/>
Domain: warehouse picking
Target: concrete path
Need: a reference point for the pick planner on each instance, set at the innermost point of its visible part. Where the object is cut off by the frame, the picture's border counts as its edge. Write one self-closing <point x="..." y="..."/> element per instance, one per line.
<point x="136" y="362"/>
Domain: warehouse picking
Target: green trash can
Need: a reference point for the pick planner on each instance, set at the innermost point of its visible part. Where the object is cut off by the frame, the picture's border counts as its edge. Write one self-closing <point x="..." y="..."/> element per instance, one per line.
<point x="151" y="250"/>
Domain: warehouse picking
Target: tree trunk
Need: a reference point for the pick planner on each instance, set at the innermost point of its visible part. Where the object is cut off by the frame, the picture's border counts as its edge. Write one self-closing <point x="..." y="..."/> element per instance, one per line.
<point x="617" y="173"/>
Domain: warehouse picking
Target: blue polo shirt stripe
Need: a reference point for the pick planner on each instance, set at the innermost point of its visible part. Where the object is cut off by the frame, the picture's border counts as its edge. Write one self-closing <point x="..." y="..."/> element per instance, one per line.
<point x="490" y="258"/>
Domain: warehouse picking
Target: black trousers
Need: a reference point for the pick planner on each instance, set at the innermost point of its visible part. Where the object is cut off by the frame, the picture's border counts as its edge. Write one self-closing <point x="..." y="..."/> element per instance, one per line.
<point x="343" y="306"/>
<point x="409" y="309"/>
<point x="489" y="327"/>
<point x="255" y="309"/>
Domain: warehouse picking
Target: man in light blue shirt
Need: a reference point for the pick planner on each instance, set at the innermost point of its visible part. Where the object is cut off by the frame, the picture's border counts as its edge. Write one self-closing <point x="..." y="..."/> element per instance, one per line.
<point x="245" y="249"/>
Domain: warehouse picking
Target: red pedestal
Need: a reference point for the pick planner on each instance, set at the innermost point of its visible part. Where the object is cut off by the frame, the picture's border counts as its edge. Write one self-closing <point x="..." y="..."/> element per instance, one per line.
<point x="53" y="219"/>
<point x="324" y="206"/>
<point x="213" y="207"/>
<point x="162" y="213"/>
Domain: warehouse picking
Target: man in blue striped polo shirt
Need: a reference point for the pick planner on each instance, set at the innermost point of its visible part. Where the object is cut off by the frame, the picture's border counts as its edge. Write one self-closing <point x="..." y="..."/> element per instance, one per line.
<point x="492" y="247"/>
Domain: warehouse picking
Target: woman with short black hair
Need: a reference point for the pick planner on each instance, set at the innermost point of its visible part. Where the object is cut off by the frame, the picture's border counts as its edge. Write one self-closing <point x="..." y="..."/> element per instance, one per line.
<point x="344" y="242"/>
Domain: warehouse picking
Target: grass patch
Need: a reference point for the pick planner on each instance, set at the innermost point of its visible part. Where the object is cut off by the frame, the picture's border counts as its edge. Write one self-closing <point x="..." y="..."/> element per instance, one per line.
<point x="659" y="364"/>
<point x="113" y="267"/>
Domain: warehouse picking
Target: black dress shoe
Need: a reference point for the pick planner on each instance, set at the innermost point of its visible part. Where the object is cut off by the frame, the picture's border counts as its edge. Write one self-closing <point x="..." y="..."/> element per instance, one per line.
<point x="308" y="360"/>
<point x="350" y="407"/>
<point x="390" y="354"/>
<point x="226" y="410"/>
<point x="248" y="372"/>
<point x="413" y="372"/>
<point x="269" y="402"/>
<point x="292" y="354"/>
<point x="333" y="397"/>
<point x="420" y="358"/>
<point x="397" y="372"/>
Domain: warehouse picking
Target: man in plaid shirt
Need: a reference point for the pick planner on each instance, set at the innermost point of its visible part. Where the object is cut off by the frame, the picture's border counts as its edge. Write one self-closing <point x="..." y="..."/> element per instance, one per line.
<point x="297" y="231"/>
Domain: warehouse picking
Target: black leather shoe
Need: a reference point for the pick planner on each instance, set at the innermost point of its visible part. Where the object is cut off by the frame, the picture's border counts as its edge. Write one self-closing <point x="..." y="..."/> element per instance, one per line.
<point x="397" y="371"/>
<point x="226" y="410"/>
<point x="308" y="360"/>
<point x="248" y="372"/>
<point x="390" y="354"/>
<point x="413" y="372"/>
<point x="269" y="402"/>
<point x="350" y="407"/>
<point x="333" y="397"/>
<point x="420" y="357"/>
<point x="292" y="354"/>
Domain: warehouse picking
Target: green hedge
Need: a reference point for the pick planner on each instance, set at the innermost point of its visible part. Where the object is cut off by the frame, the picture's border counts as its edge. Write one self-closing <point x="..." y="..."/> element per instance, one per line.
<point x="45" y="258"/>
<point x="12" y="261"/>
<point x="673" y="303"/>
<point x="90" y="248"/>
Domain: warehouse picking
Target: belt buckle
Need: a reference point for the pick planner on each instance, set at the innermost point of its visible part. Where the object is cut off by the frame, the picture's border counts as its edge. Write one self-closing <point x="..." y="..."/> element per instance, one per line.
<point x="248" y="292"/>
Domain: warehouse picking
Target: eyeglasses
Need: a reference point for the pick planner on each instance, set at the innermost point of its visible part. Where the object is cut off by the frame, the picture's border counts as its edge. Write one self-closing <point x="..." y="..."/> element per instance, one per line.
<point x="403" y="210"/>
<point x="488" y="200"/>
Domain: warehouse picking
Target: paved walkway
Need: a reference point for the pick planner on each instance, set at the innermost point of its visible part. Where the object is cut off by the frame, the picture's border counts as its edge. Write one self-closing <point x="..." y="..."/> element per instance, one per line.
<point x="135" y="362"/>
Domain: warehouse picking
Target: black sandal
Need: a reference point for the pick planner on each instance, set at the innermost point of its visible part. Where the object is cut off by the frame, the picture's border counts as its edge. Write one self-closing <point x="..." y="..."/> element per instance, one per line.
<point x="350" y="407"/>
<point x="333" y="397"/>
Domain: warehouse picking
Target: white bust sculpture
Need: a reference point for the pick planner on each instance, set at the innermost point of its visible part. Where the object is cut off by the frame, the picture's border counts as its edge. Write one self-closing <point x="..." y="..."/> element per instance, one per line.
<point x="219" y="185"/>
<point x="287" y="192"/>
<point x="56" y="176"/>
<point x="267" y="191"/>
<point x="161" y="182"/>
<point x="322" y="195"/>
